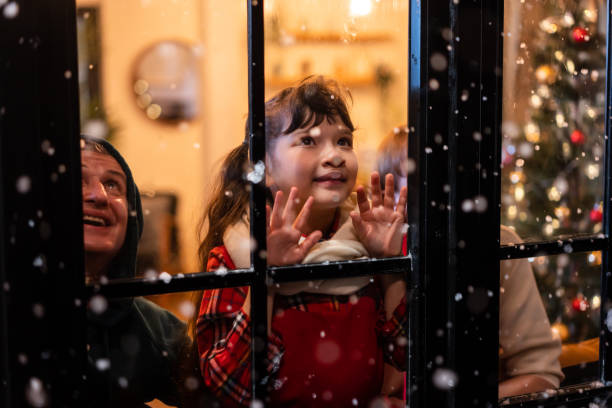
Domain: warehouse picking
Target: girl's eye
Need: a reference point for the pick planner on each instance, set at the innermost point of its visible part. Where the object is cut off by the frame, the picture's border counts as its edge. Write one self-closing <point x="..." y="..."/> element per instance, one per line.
<point x="345" y="141"/>
<point x="307" y="141"/>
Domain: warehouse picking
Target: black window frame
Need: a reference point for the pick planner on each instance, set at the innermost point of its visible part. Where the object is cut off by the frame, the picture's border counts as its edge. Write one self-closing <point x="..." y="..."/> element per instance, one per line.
<point x="38" y="98"/>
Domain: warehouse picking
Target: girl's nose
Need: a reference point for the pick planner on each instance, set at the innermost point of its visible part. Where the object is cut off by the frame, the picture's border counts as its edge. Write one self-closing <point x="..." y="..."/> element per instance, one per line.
<point x="334" y="158"/>
<point x="94" y="193"/>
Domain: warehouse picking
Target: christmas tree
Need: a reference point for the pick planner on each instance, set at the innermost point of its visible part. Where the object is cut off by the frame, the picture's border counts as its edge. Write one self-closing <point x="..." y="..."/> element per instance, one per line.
<point x="552" y="157"/>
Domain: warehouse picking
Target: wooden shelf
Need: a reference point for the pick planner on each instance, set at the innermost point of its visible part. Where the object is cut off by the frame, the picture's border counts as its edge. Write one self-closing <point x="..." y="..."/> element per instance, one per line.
<point x="331" y="37"/>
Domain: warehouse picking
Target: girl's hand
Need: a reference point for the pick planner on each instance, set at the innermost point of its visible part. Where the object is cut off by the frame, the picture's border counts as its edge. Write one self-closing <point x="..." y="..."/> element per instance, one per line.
<point x="285" y="230"/>
<point x="379" y="227"/>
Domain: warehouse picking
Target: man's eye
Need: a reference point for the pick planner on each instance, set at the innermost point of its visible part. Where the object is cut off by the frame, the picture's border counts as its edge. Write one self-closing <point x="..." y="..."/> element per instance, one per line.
<point x="307" y="141"/>
<point x="111" y="185"/>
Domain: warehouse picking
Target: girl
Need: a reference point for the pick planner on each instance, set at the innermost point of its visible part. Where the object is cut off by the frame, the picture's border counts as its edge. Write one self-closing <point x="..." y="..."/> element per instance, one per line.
<point x="328" y="340"/>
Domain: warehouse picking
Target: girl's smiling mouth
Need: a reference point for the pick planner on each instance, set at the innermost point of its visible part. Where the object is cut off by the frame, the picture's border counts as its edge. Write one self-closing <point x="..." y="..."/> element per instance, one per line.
<point x="333" y="177"/>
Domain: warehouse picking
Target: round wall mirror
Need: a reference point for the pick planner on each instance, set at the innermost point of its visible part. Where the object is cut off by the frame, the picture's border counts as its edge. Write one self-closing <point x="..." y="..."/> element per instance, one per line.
<point x="166" y="81"/>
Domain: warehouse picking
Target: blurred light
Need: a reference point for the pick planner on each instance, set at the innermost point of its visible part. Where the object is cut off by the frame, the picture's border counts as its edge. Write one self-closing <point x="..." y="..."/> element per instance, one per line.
<point x="560" y="119"/>
<point x="543" y="91"/>
<point x="154" y="111"/>
<point x="548" y="26"/>
<point x="566" y="149"/>
<point x="592" y="171"/>
<point x="595" y="302"/>
<point x="144" y="100"/>
<point x="523" y="216"/>
<point x="548" y="229"/>
<point x="361" y="7"/>
<point x="515" y="176"/>
<point x="559" y="55"/>
<point x="571" y="67"/>
<point x="595" y="258"/>
<point x="555" y="223"/>
<point x="554" y="194"/>
<point x="141" y="86"/>
<point x="562" y="212"/>
<point x="536" y="101"/>
<point x="532" y="132"/>
<point x="519" y="163"/>
<point x="591" y="113"/>
<point x="568" y="19"/>
<point x="590" y="15"/>
<point x="519" y="192"/>
<point x="512" y="211"/>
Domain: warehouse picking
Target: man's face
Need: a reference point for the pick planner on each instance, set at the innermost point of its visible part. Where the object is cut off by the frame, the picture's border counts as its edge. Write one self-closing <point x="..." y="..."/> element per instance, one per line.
<point x="105" y="206"/>
<point x="319" y="160"/>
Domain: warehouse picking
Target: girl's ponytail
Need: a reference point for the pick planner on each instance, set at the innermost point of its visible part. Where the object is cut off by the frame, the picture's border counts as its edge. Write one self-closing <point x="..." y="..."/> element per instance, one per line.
<point x="229" y="203"/>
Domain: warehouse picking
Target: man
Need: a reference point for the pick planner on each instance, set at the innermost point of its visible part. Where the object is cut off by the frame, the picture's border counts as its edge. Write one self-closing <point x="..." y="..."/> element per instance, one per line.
<point x="134" y="346"/>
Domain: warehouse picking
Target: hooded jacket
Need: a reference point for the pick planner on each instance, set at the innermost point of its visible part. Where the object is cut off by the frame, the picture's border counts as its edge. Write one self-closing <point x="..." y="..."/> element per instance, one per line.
<point x="134" y="346"/>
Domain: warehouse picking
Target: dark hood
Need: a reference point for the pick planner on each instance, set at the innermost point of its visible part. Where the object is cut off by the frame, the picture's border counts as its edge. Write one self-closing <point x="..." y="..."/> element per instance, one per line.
<point x="124" y="264"/>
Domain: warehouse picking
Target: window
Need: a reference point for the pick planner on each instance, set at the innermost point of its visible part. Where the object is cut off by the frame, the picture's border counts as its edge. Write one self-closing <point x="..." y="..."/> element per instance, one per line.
<point x="455" y="76"/>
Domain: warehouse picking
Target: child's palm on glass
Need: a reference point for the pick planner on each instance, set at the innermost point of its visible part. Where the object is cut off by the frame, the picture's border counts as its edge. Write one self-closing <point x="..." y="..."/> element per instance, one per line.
<point x="379" y="225"/>
<point x="285" y="228"/>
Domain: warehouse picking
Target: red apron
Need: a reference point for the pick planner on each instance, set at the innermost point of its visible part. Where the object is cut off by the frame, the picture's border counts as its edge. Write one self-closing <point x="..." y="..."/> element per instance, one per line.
<point x="332" y="358"/>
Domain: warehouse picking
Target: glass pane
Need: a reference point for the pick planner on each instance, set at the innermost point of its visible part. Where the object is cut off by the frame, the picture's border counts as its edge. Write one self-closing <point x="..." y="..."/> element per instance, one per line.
<point x="553" y="117"/>
<point x="149" y="84"/>
<point x="549" y="322"/>
<point x="339" y="73"/>
<point x="140" y="350"/>
<point x="331" y="330"/>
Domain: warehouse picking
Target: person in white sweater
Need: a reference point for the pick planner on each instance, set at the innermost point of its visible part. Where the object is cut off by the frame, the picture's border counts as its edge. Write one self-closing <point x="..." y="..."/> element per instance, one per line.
<point x="529" y="354"/>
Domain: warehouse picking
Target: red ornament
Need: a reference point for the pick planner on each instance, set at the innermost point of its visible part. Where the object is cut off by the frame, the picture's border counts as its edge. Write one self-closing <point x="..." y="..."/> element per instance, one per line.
<point x="596" y="214"/>
<point x="580" y="35"/>
<point x="580" y="304"/>
<point x="577" y="137"/>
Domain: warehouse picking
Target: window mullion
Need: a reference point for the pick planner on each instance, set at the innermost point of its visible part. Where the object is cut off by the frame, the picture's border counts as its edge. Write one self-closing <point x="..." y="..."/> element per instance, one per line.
<point x="605" y="348"/>
<point x="257" y="214"/>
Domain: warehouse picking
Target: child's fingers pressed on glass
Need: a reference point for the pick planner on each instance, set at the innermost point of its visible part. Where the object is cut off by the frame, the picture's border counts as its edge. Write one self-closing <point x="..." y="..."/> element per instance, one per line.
<point x="401" y="202"/>
<point x="291" y="206"/>
<point x="276" y="220"/>
<point x="362" y="200"/>
<point x="389" y="194"/>
<point x="376" y="193"/>
<point x="302" y="218"/>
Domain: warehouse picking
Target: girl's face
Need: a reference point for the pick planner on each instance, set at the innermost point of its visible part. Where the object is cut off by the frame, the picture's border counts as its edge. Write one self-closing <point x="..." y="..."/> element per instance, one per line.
<point x="318" y="160"/>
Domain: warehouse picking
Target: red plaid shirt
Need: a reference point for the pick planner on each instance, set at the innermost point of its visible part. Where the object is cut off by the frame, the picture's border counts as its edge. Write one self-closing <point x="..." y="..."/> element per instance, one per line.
<point x="224" y="333"/>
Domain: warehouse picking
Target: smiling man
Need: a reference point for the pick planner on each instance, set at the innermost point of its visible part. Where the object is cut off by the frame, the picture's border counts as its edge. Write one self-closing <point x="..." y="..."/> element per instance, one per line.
<point x="135" y="348"/>
<point x="105" y="208"/>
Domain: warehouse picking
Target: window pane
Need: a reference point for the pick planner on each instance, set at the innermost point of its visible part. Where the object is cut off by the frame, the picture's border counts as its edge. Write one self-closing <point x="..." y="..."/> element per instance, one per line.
<point x="330" y="330"/>
<point x="166" y="84"/>
<point x="549" y="320"/>
<point x="141" y="350"/>
<point x="362" y="46"/>
<point x="553" y="117"/>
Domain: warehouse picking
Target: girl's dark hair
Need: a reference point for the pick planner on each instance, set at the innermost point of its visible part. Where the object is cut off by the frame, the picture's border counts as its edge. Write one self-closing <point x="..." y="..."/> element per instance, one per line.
<point x="315" y="98"/>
